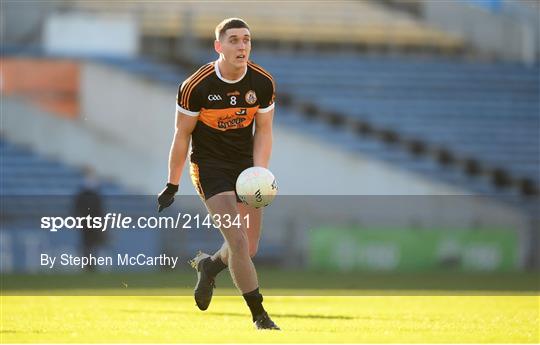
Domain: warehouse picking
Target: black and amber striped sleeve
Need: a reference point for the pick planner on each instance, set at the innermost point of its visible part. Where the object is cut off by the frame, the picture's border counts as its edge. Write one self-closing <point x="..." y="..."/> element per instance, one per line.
<point x="266" y="88"/>
<point x="188" y="100"/>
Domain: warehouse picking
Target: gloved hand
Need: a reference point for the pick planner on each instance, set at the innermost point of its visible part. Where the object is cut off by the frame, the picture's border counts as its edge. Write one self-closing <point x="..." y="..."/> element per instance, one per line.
<point x="166" y="197"/>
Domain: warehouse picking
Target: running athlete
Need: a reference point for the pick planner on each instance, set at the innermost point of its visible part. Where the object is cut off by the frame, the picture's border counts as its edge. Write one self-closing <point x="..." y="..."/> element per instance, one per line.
<point x="217" y="108"/>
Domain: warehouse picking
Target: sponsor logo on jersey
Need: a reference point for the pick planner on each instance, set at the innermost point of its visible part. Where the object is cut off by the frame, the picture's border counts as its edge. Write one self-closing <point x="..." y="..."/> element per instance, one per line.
<point x="251" y="97"/>
<point x="230" y="122"/>
<point x="241" y="112"/>
<point x="234" y="93"/>
<point x="214" y="98"/>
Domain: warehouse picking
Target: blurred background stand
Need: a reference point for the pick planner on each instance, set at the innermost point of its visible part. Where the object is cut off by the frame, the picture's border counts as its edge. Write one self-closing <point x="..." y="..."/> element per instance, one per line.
<point x="424" y="113"/>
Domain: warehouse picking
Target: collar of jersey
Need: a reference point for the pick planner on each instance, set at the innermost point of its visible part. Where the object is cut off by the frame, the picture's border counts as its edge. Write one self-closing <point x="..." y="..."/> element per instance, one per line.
<point x="227" y="80"/>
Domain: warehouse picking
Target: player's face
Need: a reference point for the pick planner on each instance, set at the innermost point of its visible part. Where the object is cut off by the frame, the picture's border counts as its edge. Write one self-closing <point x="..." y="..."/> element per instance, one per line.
<point x="235" y="46"/>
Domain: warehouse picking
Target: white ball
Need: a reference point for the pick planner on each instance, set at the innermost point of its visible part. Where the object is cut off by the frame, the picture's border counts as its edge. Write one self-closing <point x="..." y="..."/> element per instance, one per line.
<point x="256" y="187"/>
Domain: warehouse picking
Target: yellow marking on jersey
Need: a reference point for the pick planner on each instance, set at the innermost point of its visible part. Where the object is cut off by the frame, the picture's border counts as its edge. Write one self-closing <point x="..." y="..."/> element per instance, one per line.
<point x="228" y="118"/>
<point x="263" y="72"/>
<point x="196" y="178"/>
<point x="194" y="81"/>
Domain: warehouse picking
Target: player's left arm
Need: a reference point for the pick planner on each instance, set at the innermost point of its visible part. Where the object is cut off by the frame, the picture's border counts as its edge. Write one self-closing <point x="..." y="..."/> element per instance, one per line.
<point x="262" y="140"/>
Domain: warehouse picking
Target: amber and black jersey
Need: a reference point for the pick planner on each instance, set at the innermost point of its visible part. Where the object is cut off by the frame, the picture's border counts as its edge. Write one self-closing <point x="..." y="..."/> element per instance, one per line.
<point x="226" y="109"/>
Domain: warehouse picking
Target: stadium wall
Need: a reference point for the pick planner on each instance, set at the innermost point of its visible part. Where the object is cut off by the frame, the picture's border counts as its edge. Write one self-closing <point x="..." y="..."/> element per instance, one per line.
<point x="111" y="36"/>
<point x="72" y="142"/>
<point x="511" y="34"/>
<point x="22" y="21"/>
<point x="52" y="84"/>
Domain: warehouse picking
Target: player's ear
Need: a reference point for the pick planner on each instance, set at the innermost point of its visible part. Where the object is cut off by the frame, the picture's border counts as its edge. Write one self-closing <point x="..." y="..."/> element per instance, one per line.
<point x="217" y="46"/>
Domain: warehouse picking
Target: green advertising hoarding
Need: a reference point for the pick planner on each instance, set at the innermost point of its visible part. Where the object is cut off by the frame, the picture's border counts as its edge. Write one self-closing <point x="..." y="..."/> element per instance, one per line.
<point x="349" y="249"/>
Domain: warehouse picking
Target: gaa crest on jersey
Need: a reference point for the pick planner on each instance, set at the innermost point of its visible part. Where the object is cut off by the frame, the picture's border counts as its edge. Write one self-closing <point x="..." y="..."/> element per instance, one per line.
<point x="251" y="97"/>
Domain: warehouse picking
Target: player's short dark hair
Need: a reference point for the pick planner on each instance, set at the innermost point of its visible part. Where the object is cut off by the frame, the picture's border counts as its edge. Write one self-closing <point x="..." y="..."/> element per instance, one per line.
<point x="229" y="23"/>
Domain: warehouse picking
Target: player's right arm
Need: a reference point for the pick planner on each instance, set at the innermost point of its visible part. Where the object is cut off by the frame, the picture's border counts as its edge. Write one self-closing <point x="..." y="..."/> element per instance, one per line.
<point x="187" y="111"/>
<point x="185" y="125"/>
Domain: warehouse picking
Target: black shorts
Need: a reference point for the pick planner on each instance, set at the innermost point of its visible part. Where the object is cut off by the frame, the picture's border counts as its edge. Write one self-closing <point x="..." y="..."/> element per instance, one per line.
<point x="211" y="180"/>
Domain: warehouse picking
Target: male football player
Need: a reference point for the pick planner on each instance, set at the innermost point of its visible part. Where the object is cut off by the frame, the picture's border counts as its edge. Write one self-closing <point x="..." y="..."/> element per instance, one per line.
<point x="217" y="108"/>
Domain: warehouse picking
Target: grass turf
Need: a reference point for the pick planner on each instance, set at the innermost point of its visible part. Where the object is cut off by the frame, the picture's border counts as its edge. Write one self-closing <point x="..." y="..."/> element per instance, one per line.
<point x="322" y="309"/>
<point x="307" y="319"/>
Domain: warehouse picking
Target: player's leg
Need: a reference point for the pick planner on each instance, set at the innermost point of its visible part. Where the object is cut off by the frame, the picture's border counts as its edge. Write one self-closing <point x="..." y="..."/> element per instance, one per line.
<point x="207" y="182"/>
<point x="238" y="259"/>
<point x="208" y="267"/>
<point x="252" y="220"/>
<point x="211" y="182"/>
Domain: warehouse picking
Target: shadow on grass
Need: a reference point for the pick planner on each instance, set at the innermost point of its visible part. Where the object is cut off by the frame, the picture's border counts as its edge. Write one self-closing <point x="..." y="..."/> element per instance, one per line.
<point x="11" y="331"/>
<point x="296" y="316"/>
<point x="246" y="314"/>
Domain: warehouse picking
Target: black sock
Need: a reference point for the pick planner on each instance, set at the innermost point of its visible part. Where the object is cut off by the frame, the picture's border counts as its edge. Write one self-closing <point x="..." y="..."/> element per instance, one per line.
<point x="254" y="301"/>
<point x="213" y="267"/>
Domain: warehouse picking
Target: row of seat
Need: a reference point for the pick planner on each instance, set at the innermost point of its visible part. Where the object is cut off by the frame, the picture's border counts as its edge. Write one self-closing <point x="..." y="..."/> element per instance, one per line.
<point x="495" y="124"/>
<point x="26" y="173"/>
<point x="352" y="22"/>
<point x="356" y="144"/>
<point x="485" y="111"/>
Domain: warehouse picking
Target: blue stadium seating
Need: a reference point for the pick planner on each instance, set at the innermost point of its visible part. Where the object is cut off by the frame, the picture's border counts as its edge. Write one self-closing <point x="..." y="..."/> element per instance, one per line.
<point x="487" y="111"/>
<point x="26" y="173"/>
<point x="378" y="150"/>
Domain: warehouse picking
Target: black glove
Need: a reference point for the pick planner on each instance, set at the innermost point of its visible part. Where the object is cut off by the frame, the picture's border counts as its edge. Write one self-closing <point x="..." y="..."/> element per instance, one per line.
<point x="166" y="197"/>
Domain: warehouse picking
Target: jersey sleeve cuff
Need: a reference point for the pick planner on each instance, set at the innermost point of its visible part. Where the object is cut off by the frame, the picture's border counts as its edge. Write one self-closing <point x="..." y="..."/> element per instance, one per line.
<point x="267" y="109"/>
<point x="187" y="112"/>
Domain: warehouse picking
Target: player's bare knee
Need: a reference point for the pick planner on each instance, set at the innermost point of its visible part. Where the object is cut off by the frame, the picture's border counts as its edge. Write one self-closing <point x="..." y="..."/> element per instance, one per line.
<point x="253" y="248"/>
<point x="238" y="243"/>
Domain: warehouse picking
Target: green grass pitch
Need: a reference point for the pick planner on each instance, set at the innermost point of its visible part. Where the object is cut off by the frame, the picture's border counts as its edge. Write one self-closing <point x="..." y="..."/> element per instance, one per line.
<point x="36" y="314"/>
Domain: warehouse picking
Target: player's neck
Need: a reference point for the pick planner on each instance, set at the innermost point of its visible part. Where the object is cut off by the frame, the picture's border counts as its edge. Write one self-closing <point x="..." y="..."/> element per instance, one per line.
<point x="228" y="71"/>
